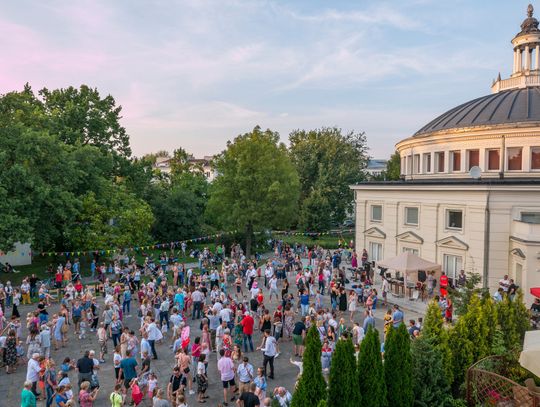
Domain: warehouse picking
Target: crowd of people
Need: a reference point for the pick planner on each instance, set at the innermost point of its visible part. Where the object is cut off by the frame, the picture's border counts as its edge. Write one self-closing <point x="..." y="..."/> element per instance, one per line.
<point x="216" y="311"/>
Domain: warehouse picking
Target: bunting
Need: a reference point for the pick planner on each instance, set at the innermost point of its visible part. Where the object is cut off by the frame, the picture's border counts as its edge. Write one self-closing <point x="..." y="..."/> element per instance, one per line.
<point x="176" y="244"/>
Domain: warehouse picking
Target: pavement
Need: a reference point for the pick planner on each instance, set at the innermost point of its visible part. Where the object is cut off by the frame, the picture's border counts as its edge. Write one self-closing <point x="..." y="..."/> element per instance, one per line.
<point x="285" y="372"/>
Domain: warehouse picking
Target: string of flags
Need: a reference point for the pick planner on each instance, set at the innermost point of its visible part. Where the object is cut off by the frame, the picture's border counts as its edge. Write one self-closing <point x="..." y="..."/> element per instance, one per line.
<point x="176" y="244"/>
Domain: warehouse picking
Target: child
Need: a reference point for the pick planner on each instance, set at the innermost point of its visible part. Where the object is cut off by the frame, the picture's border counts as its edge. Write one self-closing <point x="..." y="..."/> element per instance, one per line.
<point x="136" y="393"/>
<point x="181" y="400"/>
<point x="82" y="326"/>
<point x="202" y="380"/>
<point x="152" y="385"/>
<point x="69" y="392"/>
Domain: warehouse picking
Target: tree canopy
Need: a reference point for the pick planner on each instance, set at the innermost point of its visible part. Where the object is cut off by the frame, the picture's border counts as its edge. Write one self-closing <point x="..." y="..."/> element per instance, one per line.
<point x="328" y="161"/>
<point x="257" y="186"/>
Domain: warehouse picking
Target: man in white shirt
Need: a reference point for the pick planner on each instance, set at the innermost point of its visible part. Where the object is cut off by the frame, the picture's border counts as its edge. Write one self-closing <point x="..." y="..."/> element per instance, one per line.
<point x="154" y="334"/>
<point x="197" y="297"/>
<point x="270" y="350"/>
<point x="504" y="283"/>
<point x="268" y="273"/>
<point x="32" y="372"/>
<point x="273" y="287"/>
<point x="225" y="315"/>
<point x="245" y="375"/>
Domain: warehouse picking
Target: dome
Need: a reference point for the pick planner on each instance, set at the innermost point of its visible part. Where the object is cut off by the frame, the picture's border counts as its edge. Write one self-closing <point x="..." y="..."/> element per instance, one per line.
<point x="510" y="106"/>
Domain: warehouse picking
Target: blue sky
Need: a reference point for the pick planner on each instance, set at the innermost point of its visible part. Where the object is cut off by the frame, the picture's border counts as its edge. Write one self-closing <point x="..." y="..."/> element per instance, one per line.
<point x="197" y="73"/>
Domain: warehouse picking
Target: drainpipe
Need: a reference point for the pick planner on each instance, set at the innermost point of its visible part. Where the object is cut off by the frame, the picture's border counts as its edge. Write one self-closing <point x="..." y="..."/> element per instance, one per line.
<point x="503" y="156"/>
<point x="486" y="240"/>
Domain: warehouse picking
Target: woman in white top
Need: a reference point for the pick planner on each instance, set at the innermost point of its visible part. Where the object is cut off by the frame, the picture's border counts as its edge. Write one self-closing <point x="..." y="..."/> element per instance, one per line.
<point x="352" y="304"/>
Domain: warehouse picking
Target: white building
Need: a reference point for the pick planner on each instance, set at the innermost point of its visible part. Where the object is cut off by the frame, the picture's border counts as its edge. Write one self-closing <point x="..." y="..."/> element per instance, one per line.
<point x="486" y="220"/>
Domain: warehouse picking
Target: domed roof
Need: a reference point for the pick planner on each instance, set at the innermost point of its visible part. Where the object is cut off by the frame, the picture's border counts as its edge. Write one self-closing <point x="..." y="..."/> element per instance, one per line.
<point x="511" y="106"/>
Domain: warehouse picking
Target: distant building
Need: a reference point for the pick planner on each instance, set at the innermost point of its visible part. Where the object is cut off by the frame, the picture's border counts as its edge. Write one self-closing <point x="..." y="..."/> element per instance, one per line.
<point x="376" y="167"/>
<point x="469" y="198"/>
<point x="203" y="165"/>
<point x="163" y="164"/>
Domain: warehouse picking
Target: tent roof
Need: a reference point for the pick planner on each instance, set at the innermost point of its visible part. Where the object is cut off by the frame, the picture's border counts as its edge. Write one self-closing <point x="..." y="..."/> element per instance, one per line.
<point x="408" y="262"/>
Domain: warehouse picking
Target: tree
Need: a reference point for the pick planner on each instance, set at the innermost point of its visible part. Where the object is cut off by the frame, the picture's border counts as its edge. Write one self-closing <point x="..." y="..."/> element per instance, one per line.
<point x="82" y="116"/>
<point x="429" y="384"/>
<point x="398" y="367"/>
<point x="343" y="388"/>
<point x="370" y="371"/>
<point x="462" y="295"/>
<point x="180" y="162"/>
<point x="316" y="209"/>
<point x="328" y="162"/>
<point x="434" y="331"/>
<point x="311" y="388"/>
<point x="393" y="168"/>
<point x="257" y="187"/>
<point x="514" y="320"/>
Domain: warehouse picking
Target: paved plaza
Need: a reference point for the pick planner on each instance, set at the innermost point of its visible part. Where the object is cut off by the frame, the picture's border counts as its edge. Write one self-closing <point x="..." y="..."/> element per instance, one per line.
<point x="285" y="372"/>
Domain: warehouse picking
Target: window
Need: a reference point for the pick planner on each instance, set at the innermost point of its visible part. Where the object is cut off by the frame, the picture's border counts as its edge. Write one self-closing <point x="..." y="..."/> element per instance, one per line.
<point x="410" y="250"/>
<point x="376" y="213"/>
<point x="456" y="160"/>
<point x="494" y="160"/>
<point x="427" y="162"/>
<point x="454" y="219"/>
<point x="473" y="158"/>
<point x="375" y="251"/>
<point x="416" y="164"/>
<point x="514" y="158"/>
<point x="439" y="161"/>
<point x="452" y="265"/>
<point x="535" y="158"/>
<point x="411" y="216"/>
<point x="530" y="217"/>
<point x="409" y="164"/>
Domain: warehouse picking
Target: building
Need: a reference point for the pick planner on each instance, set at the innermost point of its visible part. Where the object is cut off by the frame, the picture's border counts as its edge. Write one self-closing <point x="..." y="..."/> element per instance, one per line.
<point x="469" y="197"/>
<point x="376" y="167"/>
<point x="203" y="165"/>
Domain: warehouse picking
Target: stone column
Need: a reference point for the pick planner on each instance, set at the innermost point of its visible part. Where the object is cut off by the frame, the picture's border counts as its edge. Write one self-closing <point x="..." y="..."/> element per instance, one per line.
<point x="519" y="61"/>
<point x="527" y="58"/>
<point x="537" y="57"/>
<point x="514" y="69"/>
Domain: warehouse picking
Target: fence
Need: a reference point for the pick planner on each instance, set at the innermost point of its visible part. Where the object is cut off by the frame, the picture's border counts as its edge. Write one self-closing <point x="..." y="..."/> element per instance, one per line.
<point x="487" y="388"/>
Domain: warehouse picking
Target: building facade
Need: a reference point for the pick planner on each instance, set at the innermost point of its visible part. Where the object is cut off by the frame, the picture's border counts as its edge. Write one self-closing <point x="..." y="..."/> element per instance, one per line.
<point x="469" y="197"/>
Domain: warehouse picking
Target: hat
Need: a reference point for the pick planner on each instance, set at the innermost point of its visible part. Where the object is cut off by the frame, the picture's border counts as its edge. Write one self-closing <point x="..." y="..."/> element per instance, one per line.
<point x="35" y="355"/>
<point x="246" y="313"/>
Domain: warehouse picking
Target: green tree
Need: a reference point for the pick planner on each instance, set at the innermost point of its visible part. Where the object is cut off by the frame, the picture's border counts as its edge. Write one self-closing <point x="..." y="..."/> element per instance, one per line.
<point x="462" y="296"/>
<point x="82" y="116"/>
<point x="393" y="168"/>
<point x="180" y="162"/>
<point x="257" y="187"/>
<point x="370" y="371"/>
<point x="429" y="383"/>
<point x="434" y="330"/>
<point x="398" y="367"/>
<point x="513" y="320"/>
<point x="311" y="388"/>
<point x="343" y="388"/>
<point x="316" y="209"/>
<point x="463" y="351"/>
<point x="328" y="162"/>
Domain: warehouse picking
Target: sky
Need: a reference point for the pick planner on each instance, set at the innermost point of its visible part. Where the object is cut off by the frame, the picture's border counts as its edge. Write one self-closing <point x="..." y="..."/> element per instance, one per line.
<point x="197" y="73"/>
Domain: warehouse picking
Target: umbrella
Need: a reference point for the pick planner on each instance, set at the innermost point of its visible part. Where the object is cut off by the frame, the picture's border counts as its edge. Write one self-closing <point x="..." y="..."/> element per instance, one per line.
<point x="530" y="356"/>
<point x="535" y="291"/>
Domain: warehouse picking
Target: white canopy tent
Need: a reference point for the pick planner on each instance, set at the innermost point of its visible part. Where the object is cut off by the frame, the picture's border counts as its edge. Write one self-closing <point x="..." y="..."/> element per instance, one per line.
<point x="530" y="356"/>
<point x="408" y="262"/>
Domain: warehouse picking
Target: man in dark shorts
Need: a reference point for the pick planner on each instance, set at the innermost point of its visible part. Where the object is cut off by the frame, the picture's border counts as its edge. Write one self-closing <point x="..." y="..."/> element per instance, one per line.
<point x="299" y="332"/>
<point x="226" y="369"/>
<point x="177" y="382"/>
<point x="128" y="367"/>
<point x="248" y="398"/>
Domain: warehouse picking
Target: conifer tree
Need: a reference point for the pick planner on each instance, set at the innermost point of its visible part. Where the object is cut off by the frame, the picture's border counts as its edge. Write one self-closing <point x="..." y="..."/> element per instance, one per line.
<point x="398" y="367"/>
<point x="371" y="371"/>
<point x="430" y="386"/>
<point x="343" y="388"/>
<point x="434" y="330"/>
<point x="311" y="388"/>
